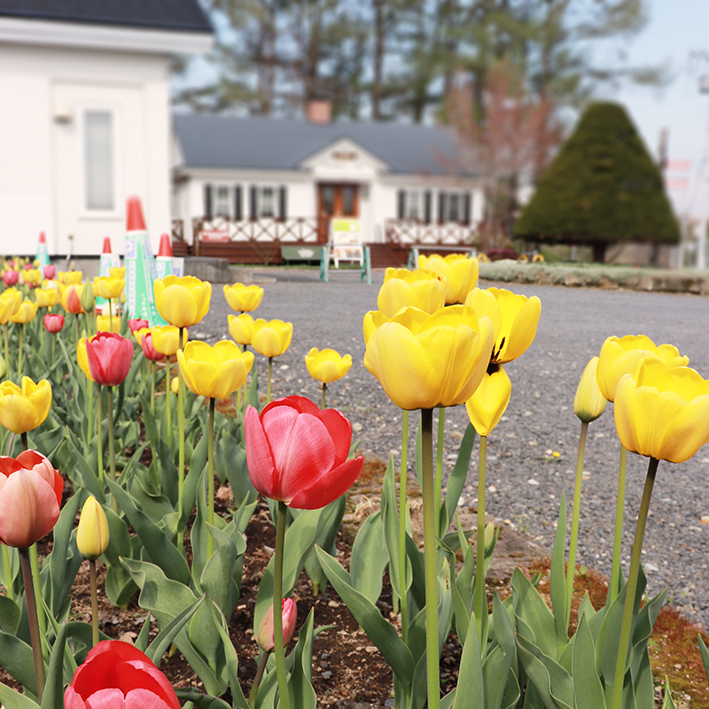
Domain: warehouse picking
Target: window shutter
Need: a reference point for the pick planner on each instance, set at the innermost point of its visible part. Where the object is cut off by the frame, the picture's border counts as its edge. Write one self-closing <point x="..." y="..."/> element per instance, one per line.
<point x="208" y="201"/>
<point x="237" y="203"/>
<point x="253" y="207"/>
<point x="441" y="207"/>
<point x="401" y="205"/>
<point x="466" y="208"/>
<point x="282" y="203"/>
<point x="427" y="207"/>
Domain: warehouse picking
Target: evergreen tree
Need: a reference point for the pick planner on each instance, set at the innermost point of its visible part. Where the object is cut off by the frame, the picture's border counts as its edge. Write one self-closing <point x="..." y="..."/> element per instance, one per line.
<point x="602" y="188"/>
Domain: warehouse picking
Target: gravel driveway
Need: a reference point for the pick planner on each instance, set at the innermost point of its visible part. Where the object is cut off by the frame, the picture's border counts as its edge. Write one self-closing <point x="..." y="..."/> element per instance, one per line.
<point x="525" y="479"/>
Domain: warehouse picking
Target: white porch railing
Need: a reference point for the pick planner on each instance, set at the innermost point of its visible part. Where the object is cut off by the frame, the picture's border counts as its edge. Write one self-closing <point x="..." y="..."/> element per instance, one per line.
<point x="412" y="233"/>
<point x="298" y="229"/>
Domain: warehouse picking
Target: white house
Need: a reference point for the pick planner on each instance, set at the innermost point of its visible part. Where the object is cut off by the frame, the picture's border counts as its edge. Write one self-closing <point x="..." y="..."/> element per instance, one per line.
<point x="86" y="117"/>
<point x="244" y="187"/>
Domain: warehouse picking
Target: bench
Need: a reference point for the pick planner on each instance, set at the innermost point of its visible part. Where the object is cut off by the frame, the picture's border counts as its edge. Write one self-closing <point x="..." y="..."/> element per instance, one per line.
<point x="302" y="253"/>
<point x="436" y="249"/>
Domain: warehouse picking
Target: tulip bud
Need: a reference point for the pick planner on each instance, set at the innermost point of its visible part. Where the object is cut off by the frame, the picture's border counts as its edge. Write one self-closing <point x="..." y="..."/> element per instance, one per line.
<point x="265" y="631"/>
<point x="589" y="403"/>
<point x="92" y="534"/>
<point x="489" y="534"/>
<point x="87" y="299"/>
<point x="175" y="385"/>
<point x="50" y="271"/>
<point x="3" y="366"/>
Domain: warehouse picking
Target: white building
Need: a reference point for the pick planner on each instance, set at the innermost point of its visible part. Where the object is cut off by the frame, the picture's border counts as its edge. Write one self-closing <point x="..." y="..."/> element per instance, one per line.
<point x="86" y="117"/>
<point x="244" y="187"/>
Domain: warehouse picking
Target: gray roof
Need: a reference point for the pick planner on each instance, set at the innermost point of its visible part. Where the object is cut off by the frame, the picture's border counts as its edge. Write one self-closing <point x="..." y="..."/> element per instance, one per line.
<point x="259" y="143"/>
<point x="175" y="15"/>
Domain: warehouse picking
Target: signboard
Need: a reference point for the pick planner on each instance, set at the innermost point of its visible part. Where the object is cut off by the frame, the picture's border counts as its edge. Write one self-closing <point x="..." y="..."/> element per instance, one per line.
<point x="346" y="238"/>
<point x="214" y="235"/>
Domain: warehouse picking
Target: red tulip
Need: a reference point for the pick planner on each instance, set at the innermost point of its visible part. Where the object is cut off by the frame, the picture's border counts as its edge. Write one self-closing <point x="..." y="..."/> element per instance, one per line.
<point x="146" y="342"/>
<point x="10" y="277"/>
<point x="265" y="631"/>
<point x="137" y="324"/>
<point x="50" y="271"/>
<point x="116" y="675"/>
<point x="110" y="357"/>
<point x="30" y="495"/>
<point x="54" y="322"/>
<point x="297" y="453"/>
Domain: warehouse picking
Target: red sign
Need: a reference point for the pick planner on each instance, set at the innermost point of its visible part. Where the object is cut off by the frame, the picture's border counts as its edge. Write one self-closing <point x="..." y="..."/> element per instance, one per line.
<point x="679" y="165"/>
<point x="214" y="235"/>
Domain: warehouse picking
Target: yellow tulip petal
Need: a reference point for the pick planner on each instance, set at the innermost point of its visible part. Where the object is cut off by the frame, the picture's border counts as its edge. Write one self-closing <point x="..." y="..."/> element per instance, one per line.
<point x="488" y="403"/>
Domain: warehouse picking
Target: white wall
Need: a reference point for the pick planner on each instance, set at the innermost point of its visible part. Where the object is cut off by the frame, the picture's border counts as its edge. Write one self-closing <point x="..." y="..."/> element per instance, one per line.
<point x="41" y="144"/>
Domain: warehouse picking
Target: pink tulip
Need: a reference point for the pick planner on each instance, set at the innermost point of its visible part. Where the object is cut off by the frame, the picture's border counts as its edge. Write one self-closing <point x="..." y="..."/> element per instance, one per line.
<point x="146" y="342"/>
<point x="10" y="278"/>
<point x="297" y="453"/>
<point x="30" y="496"/>
<point x="50" y="271"/>
<point x="265" y="632"/>
<point x="137" y="324"/>
<point x="110" y="357"/>
<point x="116" y="675"/>
<point x="54" y="322"/>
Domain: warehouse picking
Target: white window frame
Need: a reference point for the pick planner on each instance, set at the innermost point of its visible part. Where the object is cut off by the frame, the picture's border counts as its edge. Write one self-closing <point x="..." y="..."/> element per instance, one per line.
<point x="229" y="212"/>
<point x="445" y="218"/>
<point x="408" y="203"/>
<point x="260" y="201"/>
<point x="85" y="211"/>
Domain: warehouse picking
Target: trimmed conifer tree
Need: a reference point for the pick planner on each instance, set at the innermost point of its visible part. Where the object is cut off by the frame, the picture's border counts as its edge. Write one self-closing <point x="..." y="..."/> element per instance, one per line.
<point x="602" y="188"/>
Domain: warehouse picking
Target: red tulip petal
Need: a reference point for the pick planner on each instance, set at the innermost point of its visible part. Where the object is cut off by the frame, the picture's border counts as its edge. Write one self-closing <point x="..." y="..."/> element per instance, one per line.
<point x="143" y="675"/>
<point x="327" y="487"/>
<point x="301" y="446"/>
<point x="303" y="404"/>
<point x="107" y="698"/>
<point x="72" y="700"/>
<point x="259" y="459"/>
<point x="9" y="465"/>
<point x="28" y="508"/>
<point x="144" y="699"/>
<point x="340" y="431"/>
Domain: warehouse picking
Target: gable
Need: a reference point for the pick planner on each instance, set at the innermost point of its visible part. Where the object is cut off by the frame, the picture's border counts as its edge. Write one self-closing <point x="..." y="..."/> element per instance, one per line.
<point x="342" y="159"/>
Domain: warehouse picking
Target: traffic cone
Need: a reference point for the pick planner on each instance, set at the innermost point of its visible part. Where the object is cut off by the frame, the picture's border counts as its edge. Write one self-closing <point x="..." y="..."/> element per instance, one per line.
<point x="42" y="253"/>
<point x="163" y="262"/>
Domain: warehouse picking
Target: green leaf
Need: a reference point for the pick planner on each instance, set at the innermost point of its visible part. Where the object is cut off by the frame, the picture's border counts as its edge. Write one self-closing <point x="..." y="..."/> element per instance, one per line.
<point x="217" y="579"/>
<point x="232" y="661"/>
<point x="300" y="681"/>
<point x="231" y="461"/>
<point x="390" y="527"/>
<point x="588" y="688"/>
<point x="559" y="602"/>
<point x="705" y="656"/>
<point x="160" y="549"/>
<point x="119" y="584"/>
<point x="141" y="642"/>
<point x="65" y="559"/>
<point x="10" y="614"/>
<point x="379" y="631"/>
<point x="162" y="641"/>
<point x="53" y="696"/>
<point x="550" y="679"/>
<point x="456" y="481"/>
<point x="201" y="701"/>
<point x="534" y="619"/>
<point x="11" y="699"/>
<point x="470" y="692"/>
<point x="17" y="660"/>
<point x="667" y="702"/>
<point x="367" y="563"/>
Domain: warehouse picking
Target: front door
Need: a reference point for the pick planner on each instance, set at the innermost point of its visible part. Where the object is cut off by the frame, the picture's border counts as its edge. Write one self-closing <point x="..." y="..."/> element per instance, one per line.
<point x="335" y="200"/>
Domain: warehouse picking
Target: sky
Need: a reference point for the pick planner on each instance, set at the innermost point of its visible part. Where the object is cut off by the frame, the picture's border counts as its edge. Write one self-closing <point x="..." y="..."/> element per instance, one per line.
<point x="677" y="37"/>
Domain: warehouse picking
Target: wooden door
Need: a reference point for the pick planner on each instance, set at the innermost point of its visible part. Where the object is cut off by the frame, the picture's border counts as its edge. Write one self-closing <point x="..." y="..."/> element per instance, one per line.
<point x="335" y="200"/>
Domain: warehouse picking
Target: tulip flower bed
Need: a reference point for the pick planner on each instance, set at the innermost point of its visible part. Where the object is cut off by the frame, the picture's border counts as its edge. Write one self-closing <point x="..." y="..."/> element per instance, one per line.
<point x="216" y="511"/>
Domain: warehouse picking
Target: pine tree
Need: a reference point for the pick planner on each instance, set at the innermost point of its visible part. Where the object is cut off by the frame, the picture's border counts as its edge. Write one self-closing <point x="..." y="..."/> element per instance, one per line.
<point x="602" y="188"/>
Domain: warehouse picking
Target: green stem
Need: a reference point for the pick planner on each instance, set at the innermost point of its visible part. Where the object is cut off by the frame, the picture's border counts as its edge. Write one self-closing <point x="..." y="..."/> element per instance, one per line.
<point x="168" y="394"/>
<point x="9" y="592"/>
<point x="94" y="602"/>
<point x="111" y="442"/>
<point x="278" y="606"/>
<point x="480" y="590"/>
<point x="181" y="431"/>
<point x="257" y="680"/>
<point x="210" y="458"/>
<point x="54" y="342"/>
<point x="35" y="637"/>
<point x="268" y="390"/>
<point x="152" y="388"/>
<point x="571" y="569"/>
<point x="110" y="315"/>
<point x="618" y="536"/>
<point x="19" y="355"/>
<point x="402" y="525"/>
<point x="439" y="458"/>
<point x="324" y="390"/>
<point x="7" y="361"/>
<point x="100" y="437"/>
<point x="91" y="405"/>
<point x="23" y="440"/>
<point x="632" y="585"/>
<point x="430" y="561"/>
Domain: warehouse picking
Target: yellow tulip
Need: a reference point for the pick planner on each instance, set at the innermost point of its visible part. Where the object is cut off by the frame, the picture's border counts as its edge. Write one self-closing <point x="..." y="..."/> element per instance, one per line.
<point x="243" y="298"/>
<point x="461" y="274"/>
<point x="32" y="276"/>
<point x="82" y="358"/>
<point x="421" y="289"/>
<point x="108" y="287"/>
<point x="175" y="385"/>
<point x="271" y="338"/>
<point x="92" y="535"/>
<point x="22" y="410"/>
<point x="620" y="355"/>
<point x="183" y="302"/>
<point x="25" y="313"/>
<point x="327" y="365"/>
<point x="662" y="411"/>
<point x="423" y="361"/>
<point x="241" y="328"/>
<point x="486" y="406"/>
<point x="117" y="272"/>
<point x="589" y="403"/>
<point x="372" y="320"/>
<point x="214" y="371"/>
<point x="166" y="339"/>
<point x="46" y="297"/>
<point x="70" y="297"/>
<point x="70" y="278"/>
<point x="10" y="301"/>
<point x="138" y="334"/>
<point x="514" y="319"/>
<point x="103" y="324"/>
